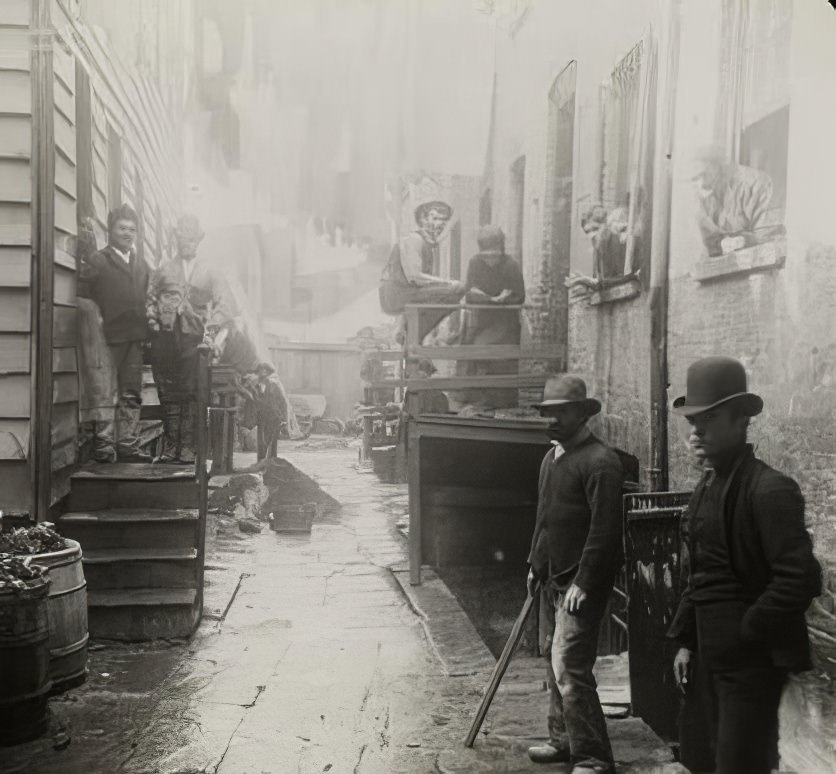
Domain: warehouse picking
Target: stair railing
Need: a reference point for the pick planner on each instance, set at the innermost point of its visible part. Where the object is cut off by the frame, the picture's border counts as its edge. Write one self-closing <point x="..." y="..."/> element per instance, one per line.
<point x="204" y="382"/>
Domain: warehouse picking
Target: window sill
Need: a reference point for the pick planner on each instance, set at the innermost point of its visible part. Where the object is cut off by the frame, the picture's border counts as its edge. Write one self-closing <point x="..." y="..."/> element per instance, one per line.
<point x="765" y="257"/>
<point x="622" y="292"/>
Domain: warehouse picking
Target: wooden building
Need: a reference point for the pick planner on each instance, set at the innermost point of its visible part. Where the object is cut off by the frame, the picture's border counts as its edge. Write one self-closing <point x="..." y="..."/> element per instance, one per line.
<point x="82" y="129"/>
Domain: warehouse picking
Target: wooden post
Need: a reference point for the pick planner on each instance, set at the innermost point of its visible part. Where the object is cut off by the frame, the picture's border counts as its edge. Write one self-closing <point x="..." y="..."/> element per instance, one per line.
<point x="43" y="255"/>
<point x="204" y="378"/>
<point x="413" y="442"/>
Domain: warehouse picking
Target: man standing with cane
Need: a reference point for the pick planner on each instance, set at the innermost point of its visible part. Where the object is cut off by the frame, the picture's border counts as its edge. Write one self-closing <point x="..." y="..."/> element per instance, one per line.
<point x="576" y="552"/>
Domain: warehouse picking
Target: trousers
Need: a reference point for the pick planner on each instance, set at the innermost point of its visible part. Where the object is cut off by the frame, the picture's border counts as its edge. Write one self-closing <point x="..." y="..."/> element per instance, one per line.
<point x="575" y="712"/>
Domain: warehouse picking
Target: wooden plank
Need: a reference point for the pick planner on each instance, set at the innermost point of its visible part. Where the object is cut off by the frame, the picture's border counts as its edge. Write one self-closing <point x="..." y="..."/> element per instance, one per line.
<point x="15" y="267"/>
<point x="414" y="479"/>
<point x="65" y="286"/>
<point x="15" y="396"/>
<point x="64" y="360"/>
<point x="16" y="135"/>
<point x="463" y="382"/>
<point x="100" y="205"/>
<point x="14" y="439"/>
<point x="63" y="258"/>
<point x="66" y="219"/>
<point x="534" y="435"/>
<point x="63" y="64"/>
<point x="15" y="494"/>
<point x="15" y="355"/>
<point x="64" y="327"/>
<point x="15" y="224"/>
<point x="65" y="175"/>
<point x="17" y="93"/>
<point x="309" y="346"/>
<point x="14" y="13"/>
<point x="64" y="101"/>
<point x="64" y="137"/>
<point x="15" y="181"/>
<point x="15" y="305"/>
<point x="65" y="388"/>
<point x="482" y="352"/>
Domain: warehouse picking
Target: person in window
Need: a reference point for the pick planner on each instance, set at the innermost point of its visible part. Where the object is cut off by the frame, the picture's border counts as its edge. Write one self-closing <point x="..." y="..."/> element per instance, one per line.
<point x="733" y="203"/>
<point x="186" y="305"/>
<point x="493" y="279"/>
<point x="408" y="277"/>
<point x="116" y="280"/>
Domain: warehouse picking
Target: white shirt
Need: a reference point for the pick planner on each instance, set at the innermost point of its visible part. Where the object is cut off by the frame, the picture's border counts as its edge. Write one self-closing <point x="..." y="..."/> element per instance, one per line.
<point x="126" y="257"/>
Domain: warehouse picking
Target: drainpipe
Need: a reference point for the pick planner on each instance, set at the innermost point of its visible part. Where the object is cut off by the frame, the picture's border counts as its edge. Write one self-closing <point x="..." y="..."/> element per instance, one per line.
<point x="668" y="66"/>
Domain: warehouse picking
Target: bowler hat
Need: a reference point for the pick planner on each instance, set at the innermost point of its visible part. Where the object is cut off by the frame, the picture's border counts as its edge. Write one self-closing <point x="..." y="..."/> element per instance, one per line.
<point x="565" y="388"/>
<point x="712" y="381"/>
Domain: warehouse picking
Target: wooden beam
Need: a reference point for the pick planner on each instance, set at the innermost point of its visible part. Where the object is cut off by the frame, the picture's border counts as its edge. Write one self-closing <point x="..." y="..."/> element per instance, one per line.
<point x="43" y="243"/>
<point x="463" y="382"/>
<point x="481" y="352"/>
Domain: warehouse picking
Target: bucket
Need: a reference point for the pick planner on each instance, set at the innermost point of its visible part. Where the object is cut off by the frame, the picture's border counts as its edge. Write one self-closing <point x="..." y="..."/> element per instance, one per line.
<point x="24" y="663"/>
<point x="293" y="518"/>
<point x="67" y="609"/>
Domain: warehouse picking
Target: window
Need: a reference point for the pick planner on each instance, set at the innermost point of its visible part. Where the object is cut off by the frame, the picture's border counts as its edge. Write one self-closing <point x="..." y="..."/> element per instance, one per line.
<point x="752" y="130"/>
<point x="619" y="224"/>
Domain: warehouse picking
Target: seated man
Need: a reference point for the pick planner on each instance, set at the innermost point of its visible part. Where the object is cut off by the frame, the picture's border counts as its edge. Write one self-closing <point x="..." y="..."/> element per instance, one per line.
<point x="734" y="203"/>
<point x="408" y="277"/>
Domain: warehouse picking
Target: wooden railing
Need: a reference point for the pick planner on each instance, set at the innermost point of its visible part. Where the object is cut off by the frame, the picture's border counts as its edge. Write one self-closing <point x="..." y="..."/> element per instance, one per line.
<point x="414" y="350"/>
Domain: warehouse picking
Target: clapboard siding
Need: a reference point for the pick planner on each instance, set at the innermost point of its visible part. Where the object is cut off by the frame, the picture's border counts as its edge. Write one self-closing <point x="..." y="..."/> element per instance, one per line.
<point x="14" y="439"/>
<point x="15" y="181"/>
<point x="64" y="101"/>
<point x="15" y="13"/>
<point x="15" y="397"/>
<point x="15" y="357"/>
<point x="64" y="360"/>
<point x="15" y="267"/>
<point x="15" y="304"/>
<point x="64" y="137"/>
<point x="65" y="285"/>
<point x="64" y="327"/>
<point x="65" y="176"/>
<point x="65" y="212"/>
<point x="65" y="388"/>
<point x="17" y="92"/>
<point x="16" y="493"/>
<point x="16" y="139"/>
<point x="15" y="224"/>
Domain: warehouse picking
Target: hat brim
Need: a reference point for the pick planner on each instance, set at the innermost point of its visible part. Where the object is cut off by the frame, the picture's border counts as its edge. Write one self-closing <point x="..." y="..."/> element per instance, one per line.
<point x="592" y="404"/>
<point x="753" y="404"/>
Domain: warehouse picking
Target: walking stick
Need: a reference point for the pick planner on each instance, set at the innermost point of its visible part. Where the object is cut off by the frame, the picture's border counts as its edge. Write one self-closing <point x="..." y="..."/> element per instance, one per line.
<point x="499" y="670"/>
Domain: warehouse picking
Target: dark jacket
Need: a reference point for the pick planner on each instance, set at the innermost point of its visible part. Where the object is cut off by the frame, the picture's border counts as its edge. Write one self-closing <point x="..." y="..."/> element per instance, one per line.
<point x="771" y="552"/>
<point x="119" y="290"/>
<point x="486" y="326"/>
<point x="579" y="519"/>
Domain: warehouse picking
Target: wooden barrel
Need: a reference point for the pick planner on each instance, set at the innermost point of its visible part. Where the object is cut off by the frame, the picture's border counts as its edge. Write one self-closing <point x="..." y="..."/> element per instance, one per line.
<point x="67" y="616"/>
<point x="24" y="663"/>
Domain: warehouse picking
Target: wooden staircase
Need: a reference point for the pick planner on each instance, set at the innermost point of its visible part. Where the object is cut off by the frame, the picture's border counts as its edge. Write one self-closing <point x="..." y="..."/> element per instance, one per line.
<point x="140" y="532"/>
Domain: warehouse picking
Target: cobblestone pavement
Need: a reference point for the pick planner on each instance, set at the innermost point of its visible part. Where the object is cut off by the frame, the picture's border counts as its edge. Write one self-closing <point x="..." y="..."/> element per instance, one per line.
<point x="315" y="656"/>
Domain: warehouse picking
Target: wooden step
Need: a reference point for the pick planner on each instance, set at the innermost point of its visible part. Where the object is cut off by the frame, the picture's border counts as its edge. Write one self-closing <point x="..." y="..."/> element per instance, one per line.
<point x="137" y="568"/>
<point x="118" y="528"/>
<point x="138" y="615"/>
<point x="95" y="487"/>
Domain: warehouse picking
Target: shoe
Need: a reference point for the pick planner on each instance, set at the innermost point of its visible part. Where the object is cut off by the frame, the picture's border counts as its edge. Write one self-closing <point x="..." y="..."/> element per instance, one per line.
<point x="548" y="752"/>
<point x="134" y="457"/>
<point x="593" y="768"/>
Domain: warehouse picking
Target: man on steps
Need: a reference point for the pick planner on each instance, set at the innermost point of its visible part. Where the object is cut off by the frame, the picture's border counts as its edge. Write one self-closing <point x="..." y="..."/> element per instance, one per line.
<point x="576" y="552"/>
<point x="116" y="279"/>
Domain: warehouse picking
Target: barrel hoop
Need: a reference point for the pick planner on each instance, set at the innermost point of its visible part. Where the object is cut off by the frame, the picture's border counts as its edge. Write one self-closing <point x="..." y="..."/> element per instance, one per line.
<point x="21" y="697"/>
<point x="61" y="563"/>
<point x="81" y="586"/>
<point x="67" y="650"/>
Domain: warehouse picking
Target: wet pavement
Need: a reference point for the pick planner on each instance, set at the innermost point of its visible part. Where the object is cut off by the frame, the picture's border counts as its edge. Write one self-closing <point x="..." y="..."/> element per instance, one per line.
<point x="314" y="655"/>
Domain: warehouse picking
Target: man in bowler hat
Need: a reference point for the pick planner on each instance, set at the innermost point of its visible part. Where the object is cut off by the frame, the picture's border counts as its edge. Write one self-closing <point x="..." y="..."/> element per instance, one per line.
<point x="576" y="552"/>
<point x="749" y="573"/>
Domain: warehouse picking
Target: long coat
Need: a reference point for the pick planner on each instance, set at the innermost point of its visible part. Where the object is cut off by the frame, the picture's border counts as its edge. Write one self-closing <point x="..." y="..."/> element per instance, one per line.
<point x="770" y="551"/>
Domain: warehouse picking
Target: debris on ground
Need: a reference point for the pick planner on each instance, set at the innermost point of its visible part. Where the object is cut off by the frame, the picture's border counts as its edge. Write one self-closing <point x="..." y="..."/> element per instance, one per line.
<point x="250" y="526"/>
<point x="17" y="573"/>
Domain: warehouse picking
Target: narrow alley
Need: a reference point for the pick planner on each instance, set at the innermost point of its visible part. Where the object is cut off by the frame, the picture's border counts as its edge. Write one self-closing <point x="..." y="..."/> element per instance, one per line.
<point x="314" y="655"/>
